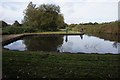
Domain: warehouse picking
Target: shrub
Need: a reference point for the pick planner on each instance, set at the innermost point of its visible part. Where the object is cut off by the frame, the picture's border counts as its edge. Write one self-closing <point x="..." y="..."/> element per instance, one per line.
<point x="17" y="30"/>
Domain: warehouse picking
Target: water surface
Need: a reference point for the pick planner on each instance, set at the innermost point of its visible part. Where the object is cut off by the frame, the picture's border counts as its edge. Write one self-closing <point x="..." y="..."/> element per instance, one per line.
<point x="67" y="43"/>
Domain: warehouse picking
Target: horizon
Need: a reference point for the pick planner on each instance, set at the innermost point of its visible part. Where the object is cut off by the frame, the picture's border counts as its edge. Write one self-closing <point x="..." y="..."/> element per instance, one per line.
<point x="68" y="24"/>
<point x="74" y="12"/>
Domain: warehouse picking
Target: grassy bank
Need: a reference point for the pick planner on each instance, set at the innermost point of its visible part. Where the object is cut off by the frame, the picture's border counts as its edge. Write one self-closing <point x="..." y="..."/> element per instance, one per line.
<point x="57" y="65"/>
<point x="109" y="28"/>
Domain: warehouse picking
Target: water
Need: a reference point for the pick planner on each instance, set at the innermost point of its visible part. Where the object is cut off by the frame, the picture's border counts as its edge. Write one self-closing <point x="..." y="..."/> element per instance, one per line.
<point x="69" y="43"/>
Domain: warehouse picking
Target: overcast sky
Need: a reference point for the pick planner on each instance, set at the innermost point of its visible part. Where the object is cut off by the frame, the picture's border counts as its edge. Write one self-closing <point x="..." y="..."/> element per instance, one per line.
<point x="74" y="11"/>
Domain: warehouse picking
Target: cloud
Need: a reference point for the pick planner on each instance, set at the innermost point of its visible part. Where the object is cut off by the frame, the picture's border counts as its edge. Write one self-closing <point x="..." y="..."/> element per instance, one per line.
<point x="89" y="11"/>
<point x="74" y="11"/>
<point x="12" y="11"/>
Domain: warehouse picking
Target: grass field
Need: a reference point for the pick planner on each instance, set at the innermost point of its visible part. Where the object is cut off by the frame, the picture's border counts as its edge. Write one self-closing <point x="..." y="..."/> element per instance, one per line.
<point x="59" y="65"/>
<point x="106" y="28"/>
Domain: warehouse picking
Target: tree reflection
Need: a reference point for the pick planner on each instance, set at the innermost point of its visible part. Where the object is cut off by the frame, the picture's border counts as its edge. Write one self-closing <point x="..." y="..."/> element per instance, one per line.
<point x="115" y="44"/>
<point x="110" y="37"/>
<point x="38" y="43"/>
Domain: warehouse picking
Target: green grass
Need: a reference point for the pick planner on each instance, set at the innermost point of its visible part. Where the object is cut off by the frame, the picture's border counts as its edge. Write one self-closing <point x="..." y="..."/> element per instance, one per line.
<point x="17" y="30"/>
<point x="59" y="65"/>
<point x="110" y="28"/>
<point x="21" y="30"/>
<point x="58" y="32"/>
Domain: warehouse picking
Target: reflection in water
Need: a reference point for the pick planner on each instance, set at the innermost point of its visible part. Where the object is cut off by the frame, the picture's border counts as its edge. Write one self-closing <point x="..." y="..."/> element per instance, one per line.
<point x="66" y="39"/>
<point x="37" y="43"/>
<point x="110" y="37"/>
<point x="115" y="44"/>
<point x="67" y="43"/>
<point x="81" y="36"/>
<point x="90" y="44"/>
<point x="66" y="46"/>
<point x="17" y="45"/>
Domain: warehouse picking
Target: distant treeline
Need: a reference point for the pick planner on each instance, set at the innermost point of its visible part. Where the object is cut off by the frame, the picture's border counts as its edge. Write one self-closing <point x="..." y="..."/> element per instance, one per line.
<point x="3" y="24"/>
<point x="15" y="28"/>
<point x="110" y="28"/>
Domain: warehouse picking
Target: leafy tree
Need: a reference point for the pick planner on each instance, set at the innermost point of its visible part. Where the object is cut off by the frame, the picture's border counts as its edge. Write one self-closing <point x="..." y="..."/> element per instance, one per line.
<point x="45" y="17"/>
<point x="60" y="21"/>
<point x="3" y="24"/>
<point x="95" y="23"/>
<point x="16" y="23"/>
<point x="29" y="18"/>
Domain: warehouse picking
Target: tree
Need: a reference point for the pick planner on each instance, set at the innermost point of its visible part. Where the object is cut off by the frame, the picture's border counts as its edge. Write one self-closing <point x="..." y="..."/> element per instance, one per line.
<point x="95" y="23"/>
<point x="61" y="24"/>
<point x="3" y="24"/>
<point x="45" y="17"/>
<point x="16" y="23"/>
<point x="29" y="14"/>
